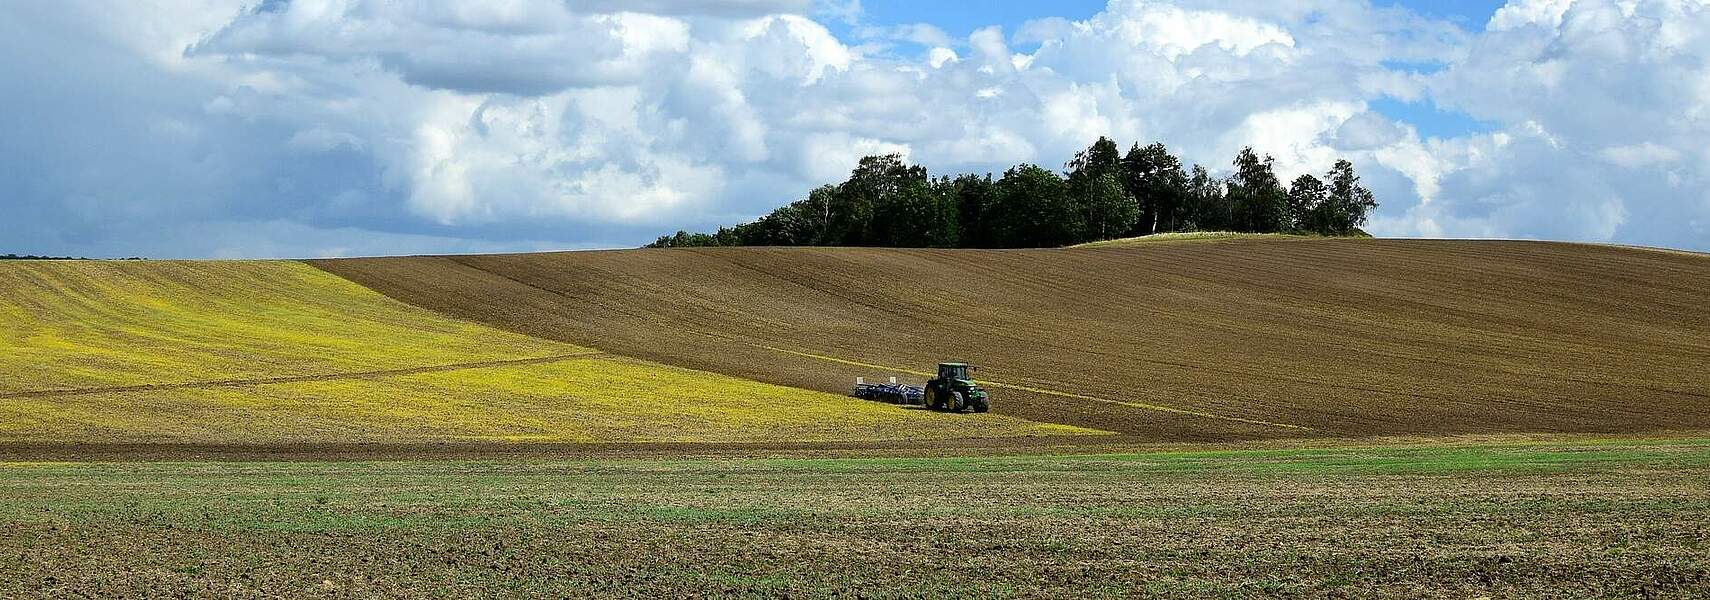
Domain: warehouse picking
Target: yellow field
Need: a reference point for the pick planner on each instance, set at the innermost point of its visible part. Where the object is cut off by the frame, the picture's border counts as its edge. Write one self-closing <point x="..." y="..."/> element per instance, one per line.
<point x="195" y="352"/>
<point x="83" y="324"/>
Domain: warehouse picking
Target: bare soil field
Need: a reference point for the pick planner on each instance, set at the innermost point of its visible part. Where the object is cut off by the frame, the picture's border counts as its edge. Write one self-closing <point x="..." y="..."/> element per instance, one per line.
<point x="1580" y="519"/>
<point x="1209" y="340"/>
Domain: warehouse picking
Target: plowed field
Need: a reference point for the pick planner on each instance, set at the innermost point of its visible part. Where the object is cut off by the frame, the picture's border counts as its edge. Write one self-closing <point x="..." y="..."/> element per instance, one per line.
<point x="1204" y="340"/>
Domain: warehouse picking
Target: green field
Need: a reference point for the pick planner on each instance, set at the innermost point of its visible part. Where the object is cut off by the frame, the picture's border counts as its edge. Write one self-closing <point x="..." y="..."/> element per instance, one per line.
<point x="1617" y="518"/>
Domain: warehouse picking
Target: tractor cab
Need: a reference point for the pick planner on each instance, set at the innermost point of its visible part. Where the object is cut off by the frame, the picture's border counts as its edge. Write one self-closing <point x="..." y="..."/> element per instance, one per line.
<point x="952" y="371"/>
<point x="952" y="390"/>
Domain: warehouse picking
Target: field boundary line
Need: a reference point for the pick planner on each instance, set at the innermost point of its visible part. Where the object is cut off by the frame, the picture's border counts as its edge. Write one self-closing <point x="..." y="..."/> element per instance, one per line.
<point x="1000" y="385"/>
<point x="303" y="378"/>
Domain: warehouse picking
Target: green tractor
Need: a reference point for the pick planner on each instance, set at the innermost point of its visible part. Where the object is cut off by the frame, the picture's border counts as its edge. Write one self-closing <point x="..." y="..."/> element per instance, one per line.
<point x="952" y="390"/>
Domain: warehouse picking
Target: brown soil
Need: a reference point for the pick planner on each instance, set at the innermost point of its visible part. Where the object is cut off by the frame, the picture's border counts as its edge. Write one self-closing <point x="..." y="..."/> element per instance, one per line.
<point x="1208" y="341"/>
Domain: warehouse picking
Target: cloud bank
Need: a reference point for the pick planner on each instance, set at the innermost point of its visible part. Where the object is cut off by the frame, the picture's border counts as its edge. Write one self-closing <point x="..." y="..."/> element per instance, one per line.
<point x="317" y="127"/>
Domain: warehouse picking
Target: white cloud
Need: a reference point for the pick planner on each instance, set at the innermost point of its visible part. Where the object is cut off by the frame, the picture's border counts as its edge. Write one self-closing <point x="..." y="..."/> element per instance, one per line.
<point x="1635" y="156"/>
<point x="592" y="121"/>
<point x="828" y="157"/>
<point x="1521" y="13"/>
<point x="937" y="57"/>
<point x="1171" y="31"/>
<point x="522" y="48"/>
<point x="1604" y="106"/>
<point x="320" y="139"/>
<point x="793" y="47"/>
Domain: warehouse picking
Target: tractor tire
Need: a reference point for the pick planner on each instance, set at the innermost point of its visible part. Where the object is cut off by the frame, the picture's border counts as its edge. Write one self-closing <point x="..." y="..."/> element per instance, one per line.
<point x="957" y="402"/>
<point x="982" y="405"/>
<point x="932" y="400"/>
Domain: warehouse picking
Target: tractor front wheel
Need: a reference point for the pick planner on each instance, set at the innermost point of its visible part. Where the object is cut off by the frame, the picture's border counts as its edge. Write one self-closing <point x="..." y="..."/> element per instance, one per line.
<point x="982" y="405"/>
<point x="957" y="402"/>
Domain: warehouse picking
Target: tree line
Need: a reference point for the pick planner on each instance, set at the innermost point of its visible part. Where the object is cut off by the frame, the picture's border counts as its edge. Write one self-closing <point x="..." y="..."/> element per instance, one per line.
<point x="37" y="257"/>
<point x="1102" y="194"/>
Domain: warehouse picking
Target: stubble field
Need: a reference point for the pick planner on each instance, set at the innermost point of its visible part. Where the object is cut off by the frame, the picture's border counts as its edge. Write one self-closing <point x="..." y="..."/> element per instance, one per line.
<point x="1564" y="518"/>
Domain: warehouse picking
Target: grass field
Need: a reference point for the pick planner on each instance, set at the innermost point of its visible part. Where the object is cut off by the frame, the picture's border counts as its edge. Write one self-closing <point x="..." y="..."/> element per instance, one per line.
<point x="1580" y="518"/>
<point x="225" y="352"/>
<point x="1200" y="340"/>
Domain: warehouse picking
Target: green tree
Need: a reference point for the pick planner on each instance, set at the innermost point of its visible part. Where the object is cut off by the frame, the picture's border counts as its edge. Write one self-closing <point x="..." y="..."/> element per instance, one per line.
<point x="1348" y="203"/>
<point x="1033" y="210"/>
<point x="1100" y="159"/>
<point x="809" y="221"/>
<point x="1086" y="172"/>
<point x="684" y="239"/>
<point x="915" y="216"/>
<point x="1205" y="206"/>
<point x="887" y="202"/>
<point x="1258" y="200"/>
<point x="1306" y="204"/>
<point x="804" y="222"/>
<point x="975" y="198"/>
<point x="1156" y="180"/>
<point x="1111" y="211"/>
<point x="875" y="182"/>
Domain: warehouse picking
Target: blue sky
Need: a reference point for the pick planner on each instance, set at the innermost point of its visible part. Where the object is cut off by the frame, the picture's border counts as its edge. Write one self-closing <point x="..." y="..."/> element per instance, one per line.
<point x="209" y="128"/>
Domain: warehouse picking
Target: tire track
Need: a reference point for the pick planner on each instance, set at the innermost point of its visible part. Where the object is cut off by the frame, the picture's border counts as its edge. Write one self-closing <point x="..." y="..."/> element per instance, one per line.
<point x="301" y="378"/>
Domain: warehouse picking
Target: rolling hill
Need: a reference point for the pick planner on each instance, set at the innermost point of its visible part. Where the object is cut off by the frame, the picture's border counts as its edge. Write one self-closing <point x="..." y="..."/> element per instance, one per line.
<point x="1205" y="340"/>
<point x="277" y="352"/>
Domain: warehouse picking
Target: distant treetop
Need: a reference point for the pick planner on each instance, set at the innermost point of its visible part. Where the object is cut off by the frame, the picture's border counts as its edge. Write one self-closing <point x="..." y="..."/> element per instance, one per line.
<point x="1103" y="194"/>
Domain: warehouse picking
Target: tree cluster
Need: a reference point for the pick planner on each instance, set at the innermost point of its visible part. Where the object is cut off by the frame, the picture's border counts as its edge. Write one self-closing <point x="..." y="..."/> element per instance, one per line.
<point x="1102" y="194"/>
<point x="37" y="257"/>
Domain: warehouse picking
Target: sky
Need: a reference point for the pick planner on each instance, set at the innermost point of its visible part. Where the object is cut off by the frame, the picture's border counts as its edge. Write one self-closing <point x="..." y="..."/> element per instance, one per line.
<point x="305" y="128"/>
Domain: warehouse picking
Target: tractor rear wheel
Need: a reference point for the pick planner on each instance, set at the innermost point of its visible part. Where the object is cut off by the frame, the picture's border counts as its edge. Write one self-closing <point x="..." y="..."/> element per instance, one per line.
<point x="932" y="399"/>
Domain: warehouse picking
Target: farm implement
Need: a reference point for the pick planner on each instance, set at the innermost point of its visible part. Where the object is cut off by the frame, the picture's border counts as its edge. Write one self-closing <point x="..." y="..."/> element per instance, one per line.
<point x="951" y="390"/>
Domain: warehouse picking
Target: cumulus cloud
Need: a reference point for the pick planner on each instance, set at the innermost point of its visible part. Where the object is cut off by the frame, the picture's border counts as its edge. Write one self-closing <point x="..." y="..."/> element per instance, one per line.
<point x="460" y="126"/>
<point x="517" y="48"/>
<point x="1605" y="107"/>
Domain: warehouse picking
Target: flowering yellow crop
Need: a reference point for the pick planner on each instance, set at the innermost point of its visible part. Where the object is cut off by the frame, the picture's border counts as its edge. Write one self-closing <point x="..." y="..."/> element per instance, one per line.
<point x="82" y="324"/>
<point x="241" y="352"/>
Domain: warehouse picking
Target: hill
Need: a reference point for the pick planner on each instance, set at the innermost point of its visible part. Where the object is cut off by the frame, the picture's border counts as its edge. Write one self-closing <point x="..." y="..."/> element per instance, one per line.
<point x="277" y="352"/>
<point x="1238" y="339"/>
